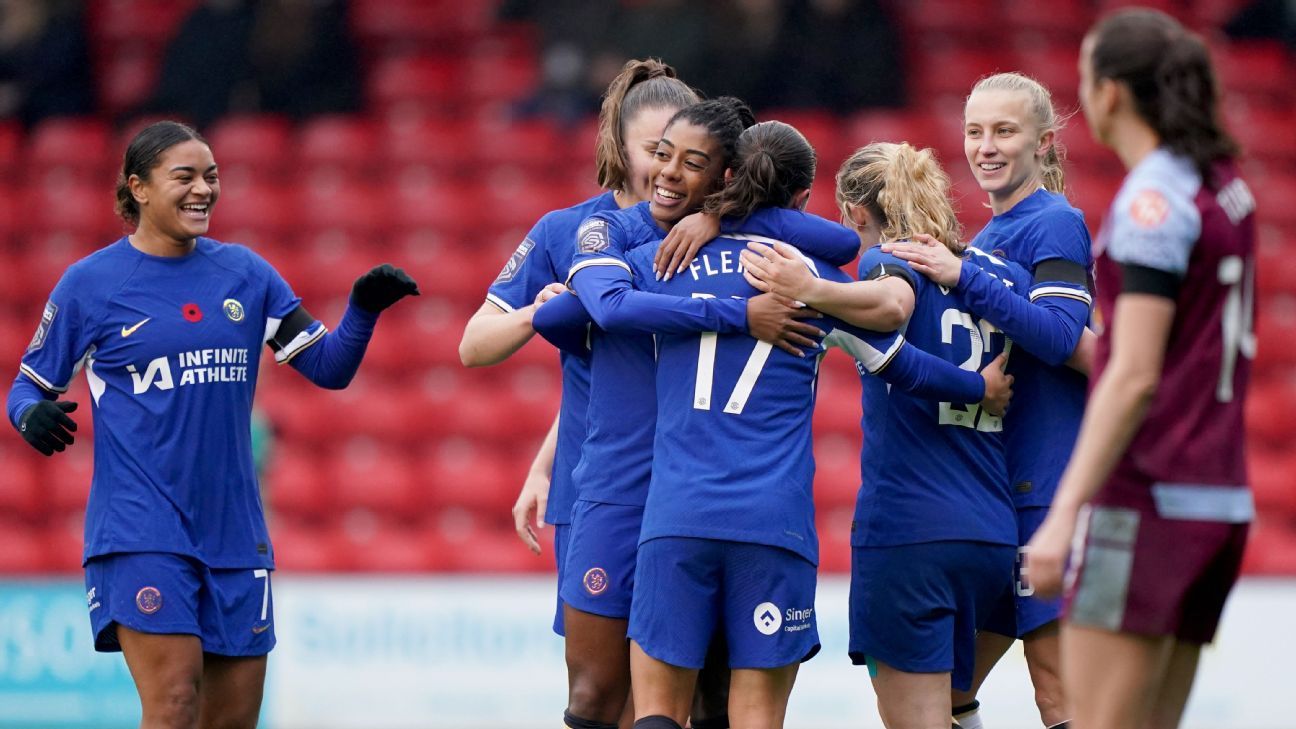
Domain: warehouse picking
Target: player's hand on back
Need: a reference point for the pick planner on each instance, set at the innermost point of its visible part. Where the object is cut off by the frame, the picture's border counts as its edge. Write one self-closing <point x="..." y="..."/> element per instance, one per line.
<point x="778" y="269"/>
<point x="683" y="243"/>
<point x="998" y="386"/>
<point x="381" y="287"/>
<point x="928" y="256"/>
<point x="47" y="427"/>
<point x="778" y="320"/>
<point x="531" y="503"/>
<point x="548" y="292"/>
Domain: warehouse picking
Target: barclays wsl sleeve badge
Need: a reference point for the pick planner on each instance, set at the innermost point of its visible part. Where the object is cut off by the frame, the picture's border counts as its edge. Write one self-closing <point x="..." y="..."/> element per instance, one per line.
<point x="592" y="237"/>
<point x="42" y="331"/>
<point x="515" y="261"/>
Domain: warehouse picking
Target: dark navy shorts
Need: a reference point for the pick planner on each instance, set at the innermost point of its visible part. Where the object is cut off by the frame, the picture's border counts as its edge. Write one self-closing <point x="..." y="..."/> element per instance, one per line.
<point x="917" y="607"/>
<point x="1020" y="611"/>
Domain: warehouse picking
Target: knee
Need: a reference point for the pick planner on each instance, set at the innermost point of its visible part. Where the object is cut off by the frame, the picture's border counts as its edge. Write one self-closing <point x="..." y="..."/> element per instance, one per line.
<point x="174" y="706"/>
<point x="597" y="697"/>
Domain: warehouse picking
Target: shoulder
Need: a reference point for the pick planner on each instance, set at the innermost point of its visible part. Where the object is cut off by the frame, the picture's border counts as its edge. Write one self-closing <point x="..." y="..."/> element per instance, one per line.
<point x="235" y="257"/>
<point x="874" y="264"/>
<point x="1155" y="220"/>
<point x="567" y="219"/>
<point x="99" y="271"/>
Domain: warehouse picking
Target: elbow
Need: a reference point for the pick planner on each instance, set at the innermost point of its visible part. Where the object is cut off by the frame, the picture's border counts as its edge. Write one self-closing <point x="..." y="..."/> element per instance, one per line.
<point x="890" y="317"/>
<point x="472" y="355"/>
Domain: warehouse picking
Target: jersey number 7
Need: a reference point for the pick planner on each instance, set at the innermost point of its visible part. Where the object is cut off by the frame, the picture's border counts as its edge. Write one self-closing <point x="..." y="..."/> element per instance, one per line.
<point x="970" y="416"/>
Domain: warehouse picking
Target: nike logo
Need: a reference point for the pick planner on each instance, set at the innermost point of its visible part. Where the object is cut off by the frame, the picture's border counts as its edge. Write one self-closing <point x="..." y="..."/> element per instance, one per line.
<point x="127" y="331"/>
<point x="259" y="629"/>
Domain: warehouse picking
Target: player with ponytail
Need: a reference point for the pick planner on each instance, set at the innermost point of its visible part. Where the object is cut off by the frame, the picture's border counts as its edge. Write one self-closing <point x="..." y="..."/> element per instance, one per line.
<point x="1159" y="465"/>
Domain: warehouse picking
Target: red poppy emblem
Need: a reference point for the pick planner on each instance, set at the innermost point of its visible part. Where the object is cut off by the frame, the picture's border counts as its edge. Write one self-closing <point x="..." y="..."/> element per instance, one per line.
<point x="191" y="312"/>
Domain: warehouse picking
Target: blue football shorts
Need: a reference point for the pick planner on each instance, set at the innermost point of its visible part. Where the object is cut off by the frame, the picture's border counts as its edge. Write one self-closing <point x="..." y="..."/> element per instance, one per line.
<point x="599" y="569"/>
<point x="760" y="596"/>
<point x="917" y="607"/>
<point x="1020" y="611"/>
<point x="230" y="610"/>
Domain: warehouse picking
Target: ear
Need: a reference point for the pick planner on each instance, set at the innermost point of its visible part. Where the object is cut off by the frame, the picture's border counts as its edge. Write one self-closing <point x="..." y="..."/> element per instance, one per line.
<point x="1112" y="94"/>
<point x="1046" y="142"/>
<point x="137" y="189"/>
<point x="728" y="175"/>
<point x="801" y="199"/>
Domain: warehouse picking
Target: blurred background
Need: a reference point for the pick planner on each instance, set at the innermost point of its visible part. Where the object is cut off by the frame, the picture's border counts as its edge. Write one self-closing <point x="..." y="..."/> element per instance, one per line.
<point x="433" y="134"/>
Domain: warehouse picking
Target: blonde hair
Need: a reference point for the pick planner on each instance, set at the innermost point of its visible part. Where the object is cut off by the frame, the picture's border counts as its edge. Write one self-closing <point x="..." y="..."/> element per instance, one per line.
<point x="1046" y="119"/>
<point x="904" y="188"/>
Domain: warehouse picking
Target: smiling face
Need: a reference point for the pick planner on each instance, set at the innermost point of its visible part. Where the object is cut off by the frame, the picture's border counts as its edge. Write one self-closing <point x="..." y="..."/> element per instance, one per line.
<point x="642" y="133"/>
<point x="686" y="168"/>
<point x="1003" y="146"/>
<point x="176" y="200"/>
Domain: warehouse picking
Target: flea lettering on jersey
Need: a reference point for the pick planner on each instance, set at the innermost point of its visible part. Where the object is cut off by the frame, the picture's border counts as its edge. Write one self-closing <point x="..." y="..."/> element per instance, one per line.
<point x="197" y="367"/>
<point x="715" y="264"/>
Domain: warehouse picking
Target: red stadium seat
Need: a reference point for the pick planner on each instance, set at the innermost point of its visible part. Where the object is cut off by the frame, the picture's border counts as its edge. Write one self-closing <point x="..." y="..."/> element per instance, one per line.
<point x="342" y="142"/>
<point x="118" y="22"/>
<point x="966" y="20"/>
<point x="268" y="210"/>
<point x="70" y="205"/>
<point x="834" y="527"/>
<point x="1272" y="470"/>
<point x="502" y="76"/>
<point x="1256" y="67"/>
<point x="21" y="487"/>
<point x="372" y="476"/>
<point x="372" y="543"/>
<point x="77" y="146"/>
<point x="450" y="208"/>
<point x="498" y="549"/>
<point x="531" y="144"/>
<point x="917" y="128"/>
<point x="334" y="202"/>
<point x="22" y="549"/>
<point x="1065" y="22"/>
<point x="951" y="70"/>
<point x="67" y="475"/>
<point x="1271" y="412"/>
<point x="1271" y="546"/>
<point x="1264" y="131"/>
<point x="425" y="81"/>
<point x="295" y="484"/>
<point x="384" y="21"/>
<point x="837" y="471"/>
<point x="443" y="147"/>
<point x="460" y="473"/>
<point x="65" y="540"/>
<point x="126" y="78"/>
<point x="304" y="546"/>
<point x="11" y="140"/>
<point x="261" y="145"/>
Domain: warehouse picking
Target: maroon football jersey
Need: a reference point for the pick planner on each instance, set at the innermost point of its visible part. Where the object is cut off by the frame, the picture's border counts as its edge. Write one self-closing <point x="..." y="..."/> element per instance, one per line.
<point x="1187" y="460"/>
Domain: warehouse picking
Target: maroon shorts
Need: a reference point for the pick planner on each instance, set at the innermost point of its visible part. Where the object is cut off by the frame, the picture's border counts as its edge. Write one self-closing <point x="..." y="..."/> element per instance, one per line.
<point x="1143" y="574"/>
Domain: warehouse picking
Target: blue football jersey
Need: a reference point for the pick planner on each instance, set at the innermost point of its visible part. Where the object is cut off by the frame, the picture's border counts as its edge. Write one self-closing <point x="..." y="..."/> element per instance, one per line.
<point x="1048" y="401"/>
<point x="170" y="348"/>
<point x="931" y="470"/>
<point x="733" y="457"/>
<point x="545" y="257"/>
<point x="616" y="457"/>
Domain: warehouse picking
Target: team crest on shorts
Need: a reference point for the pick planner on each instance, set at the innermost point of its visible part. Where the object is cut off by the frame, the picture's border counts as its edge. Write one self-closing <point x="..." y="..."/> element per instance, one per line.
<point x="596" y="581"/>
<point x="148" y="600"/>
<point x="233" y="310"/>
<point x="768" y="618"/>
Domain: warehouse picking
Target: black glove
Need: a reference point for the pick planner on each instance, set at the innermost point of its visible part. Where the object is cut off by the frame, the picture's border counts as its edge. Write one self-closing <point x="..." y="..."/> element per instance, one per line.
<point x="47" y="427"/>
<point x="382" y="287"/>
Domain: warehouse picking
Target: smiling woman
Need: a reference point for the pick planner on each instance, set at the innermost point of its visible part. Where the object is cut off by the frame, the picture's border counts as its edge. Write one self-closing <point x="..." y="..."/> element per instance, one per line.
<point x="176" y="548"/>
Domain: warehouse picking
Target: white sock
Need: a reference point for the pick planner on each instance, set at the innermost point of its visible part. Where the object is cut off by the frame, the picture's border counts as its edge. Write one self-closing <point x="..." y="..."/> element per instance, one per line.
<point x="970" y="719"/>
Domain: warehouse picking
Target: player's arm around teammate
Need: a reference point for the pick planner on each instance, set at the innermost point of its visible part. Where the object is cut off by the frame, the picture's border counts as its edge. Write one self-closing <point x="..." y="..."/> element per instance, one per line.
<point x="168" y="326"/>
